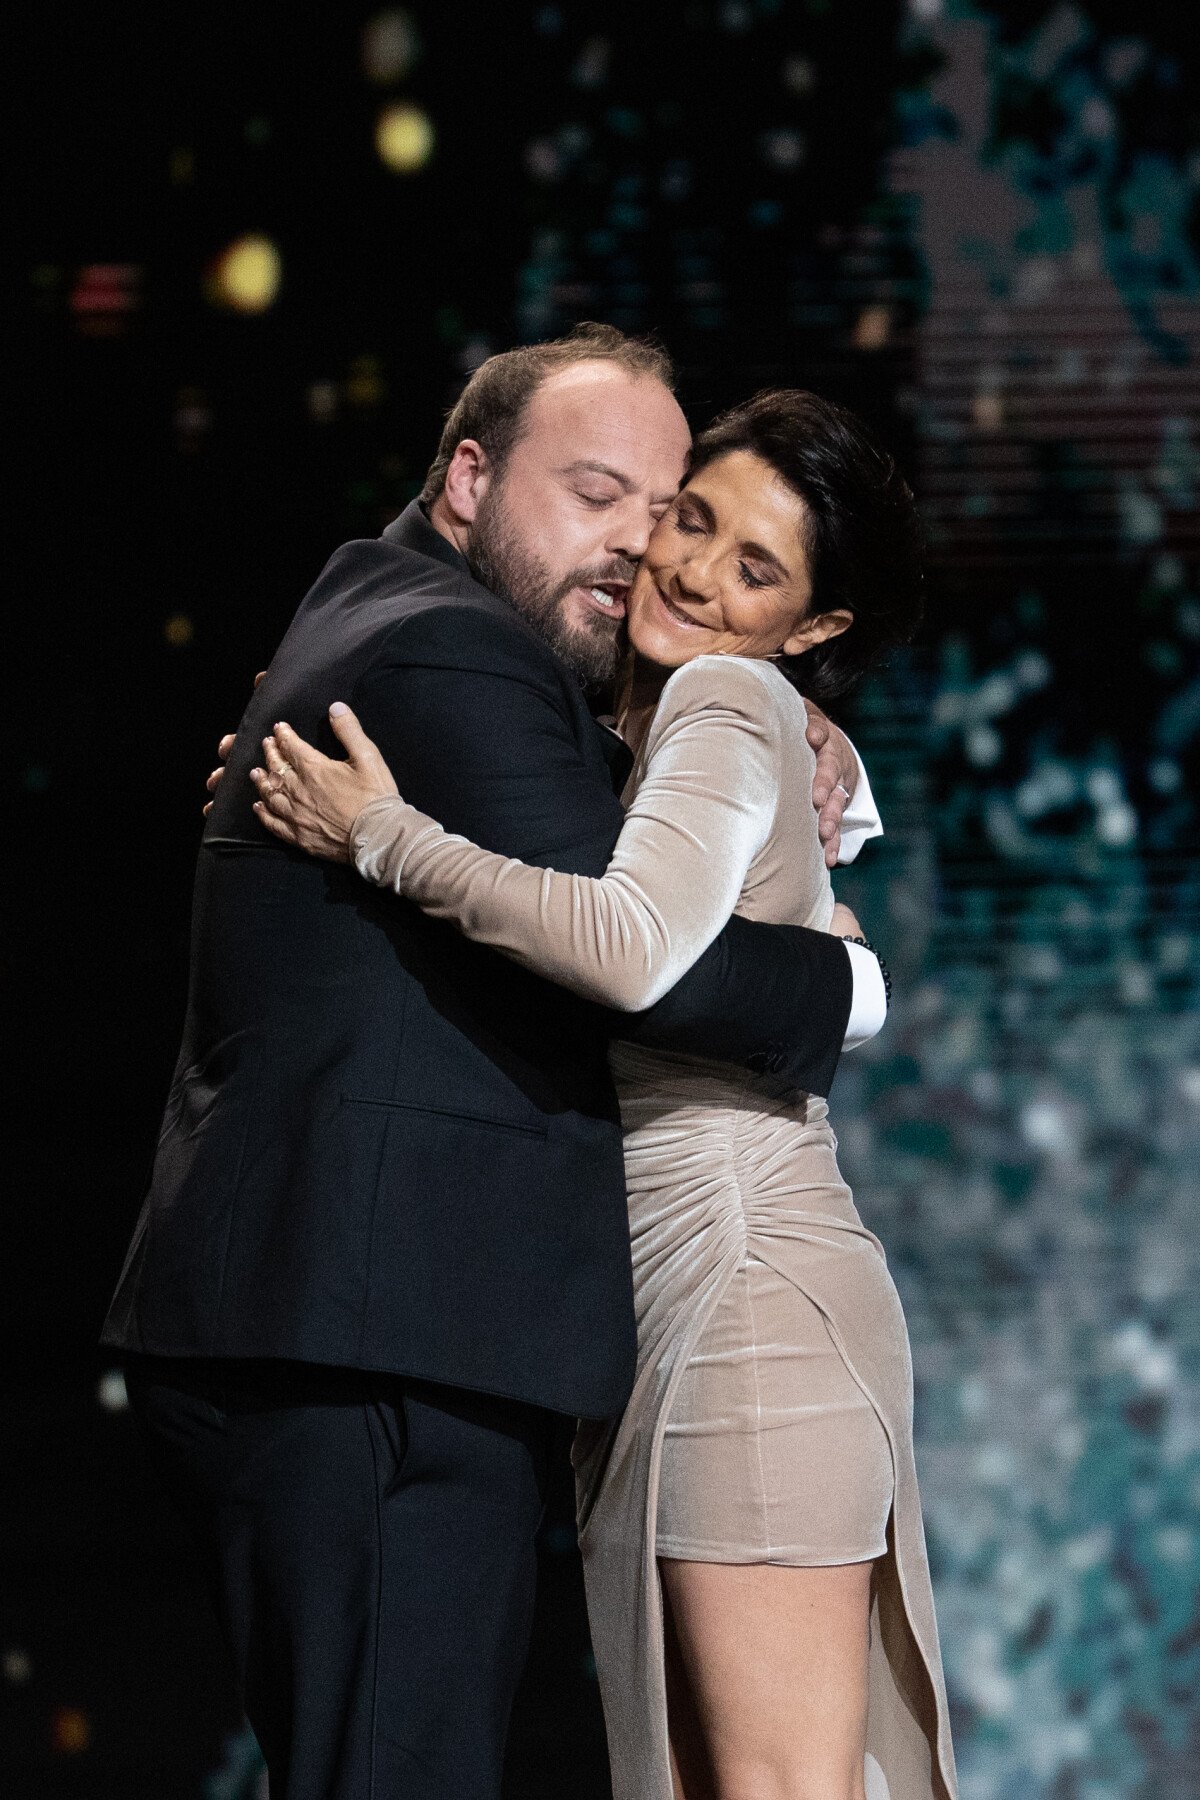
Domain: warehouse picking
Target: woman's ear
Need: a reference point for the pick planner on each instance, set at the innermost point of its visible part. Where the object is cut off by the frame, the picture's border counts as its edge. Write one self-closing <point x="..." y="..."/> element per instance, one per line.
<point x="811" y="632"/>
<point x="467" y="481"/>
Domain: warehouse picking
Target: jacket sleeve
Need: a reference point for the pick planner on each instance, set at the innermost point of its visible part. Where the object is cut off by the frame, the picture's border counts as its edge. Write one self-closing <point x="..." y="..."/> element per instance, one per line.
<point x="491" y="752"/>
<point x="702" y="811"/>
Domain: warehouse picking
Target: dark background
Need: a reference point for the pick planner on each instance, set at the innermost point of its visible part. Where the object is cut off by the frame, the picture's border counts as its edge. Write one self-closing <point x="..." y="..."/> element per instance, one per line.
<point x="976" y="223"/>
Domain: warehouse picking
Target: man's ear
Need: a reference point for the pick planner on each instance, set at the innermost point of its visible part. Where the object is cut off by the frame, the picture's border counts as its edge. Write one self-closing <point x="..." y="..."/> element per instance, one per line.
<point x="467" y="481"/>
<point x="811" y="632"/>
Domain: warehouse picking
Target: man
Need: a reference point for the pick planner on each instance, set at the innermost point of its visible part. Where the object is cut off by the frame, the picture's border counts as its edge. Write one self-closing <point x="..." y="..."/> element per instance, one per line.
<point x="385" y="1246"/>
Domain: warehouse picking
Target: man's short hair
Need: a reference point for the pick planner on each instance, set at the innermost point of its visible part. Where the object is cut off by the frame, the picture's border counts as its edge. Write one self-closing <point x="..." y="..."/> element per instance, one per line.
<point x="492" y="407"/>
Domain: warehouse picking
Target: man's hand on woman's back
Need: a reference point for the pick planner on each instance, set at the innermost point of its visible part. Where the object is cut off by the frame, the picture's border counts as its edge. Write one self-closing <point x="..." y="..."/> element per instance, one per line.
<point x="835" y="780"/>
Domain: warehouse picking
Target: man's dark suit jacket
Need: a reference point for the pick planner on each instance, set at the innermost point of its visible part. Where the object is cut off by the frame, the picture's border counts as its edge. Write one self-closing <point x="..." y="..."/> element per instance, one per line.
<point x="387" y="1148"/>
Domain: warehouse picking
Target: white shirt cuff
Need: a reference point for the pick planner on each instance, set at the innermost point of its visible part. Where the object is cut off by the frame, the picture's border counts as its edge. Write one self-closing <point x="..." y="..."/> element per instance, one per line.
<point x="868" y="1006"/>
<point x="860" y="820"/>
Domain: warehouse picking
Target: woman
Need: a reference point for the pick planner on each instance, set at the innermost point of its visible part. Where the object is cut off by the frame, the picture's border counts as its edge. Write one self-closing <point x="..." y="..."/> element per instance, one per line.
<point x="757" y="1581"/>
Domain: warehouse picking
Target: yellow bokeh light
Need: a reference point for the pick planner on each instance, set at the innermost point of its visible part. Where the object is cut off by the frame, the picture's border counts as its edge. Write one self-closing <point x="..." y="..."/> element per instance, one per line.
<point x="404" y="138"/>
<point x="179" y="631"/>
<point x="246" y="276"/>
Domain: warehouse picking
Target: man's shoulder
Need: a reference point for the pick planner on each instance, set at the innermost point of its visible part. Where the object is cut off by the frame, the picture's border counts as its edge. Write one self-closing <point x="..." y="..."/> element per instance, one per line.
<point x="437" y="617"/>
<point x="401" y="606"/>
<point x="404" y="580"/>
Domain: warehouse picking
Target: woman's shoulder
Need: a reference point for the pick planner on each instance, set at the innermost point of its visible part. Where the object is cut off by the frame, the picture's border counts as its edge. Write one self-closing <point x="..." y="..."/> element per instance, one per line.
<point x="751" y="687"/>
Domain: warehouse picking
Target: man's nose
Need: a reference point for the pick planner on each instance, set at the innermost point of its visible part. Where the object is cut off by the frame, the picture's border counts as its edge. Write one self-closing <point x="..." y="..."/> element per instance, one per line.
<point x="630" y="528"/>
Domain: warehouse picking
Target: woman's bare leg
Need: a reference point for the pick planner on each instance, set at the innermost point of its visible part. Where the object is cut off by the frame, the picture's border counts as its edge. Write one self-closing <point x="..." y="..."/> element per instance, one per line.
<point x="767" y="1672"/>
<point x="691" y="1774"/>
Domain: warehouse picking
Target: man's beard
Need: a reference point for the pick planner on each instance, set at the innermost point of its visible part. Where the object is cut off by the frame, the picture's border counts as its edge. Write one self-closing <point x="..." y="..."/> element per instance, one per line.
<point x="591" y="649"/>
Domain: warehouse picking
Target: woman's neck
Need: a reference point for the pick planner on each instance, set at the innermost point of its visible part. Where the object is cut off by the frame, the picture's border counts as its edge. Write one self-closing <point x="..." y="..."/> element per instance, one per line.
<point x="639" y="689"/>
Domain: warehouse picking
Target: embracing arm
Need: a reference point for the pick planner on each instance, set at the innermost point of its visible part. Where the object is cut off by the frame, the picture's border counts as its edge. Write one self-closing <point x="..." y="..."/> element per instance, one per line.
<point x="491" y="751"/>
<point x="701" y="813"/>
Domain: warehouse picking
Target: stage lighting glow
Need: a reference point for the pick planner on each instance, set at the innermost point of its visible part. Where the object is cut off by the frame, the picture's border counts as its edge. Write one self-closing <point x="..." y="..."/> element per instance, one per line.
<point x="192" y="420"/>
<point x="104" y="297"/>
<point x="364" y="385"/>
<point x="782" y="147"/>
<point x="1165" y="776"/>
<point x="404" y="138"/>
<point x="983" y="746"/>
<point x="18" y="1668"/>
<point x="473" y="353"/>
<point x="542" y="160"/>
<point x="245" y="277"/>
<point x="591" y="65"/>
<point x="799" y="75"/>
<point x="1117" y="825"/>
<point x="987" y="410"/>
<point x="391" y="45"/>
<point x="323" y="401"/>
<point x="675" y="182"/>
<point x="873" y="327"/>
<point x="179" y="631"/>
<point x="71" y="1731"/>
<point x="1031" y="670"/>
<point x="111" y="1391"/>
<point x="182" y="166"/>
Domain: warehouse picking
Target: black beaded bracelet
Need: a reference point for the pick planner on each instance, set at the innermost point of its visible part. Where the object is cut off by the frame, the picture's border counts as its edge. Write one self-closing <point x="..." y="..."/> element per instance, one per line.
<point x="883" y="968"/>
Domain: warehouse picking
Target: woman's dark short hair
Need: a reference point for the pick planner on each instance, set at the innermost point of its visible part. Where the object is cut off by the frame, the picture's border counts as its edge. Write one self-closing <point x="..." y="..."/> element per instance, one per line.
<point x="862" y="535"/>
<point x="492" y="407"/>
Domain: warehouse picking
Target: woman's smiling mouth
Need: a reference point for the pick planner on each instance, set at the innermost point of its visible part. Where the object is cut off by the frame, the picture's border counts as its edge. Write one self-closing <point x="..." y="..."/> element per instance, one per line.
<point x="676" y="613"/>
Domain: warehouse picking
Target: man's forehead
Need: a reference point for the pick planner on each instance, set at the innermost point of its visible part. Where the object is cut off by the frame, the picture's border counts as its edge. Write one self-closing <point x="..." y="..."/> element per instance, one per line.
<point x="601" y="413"/>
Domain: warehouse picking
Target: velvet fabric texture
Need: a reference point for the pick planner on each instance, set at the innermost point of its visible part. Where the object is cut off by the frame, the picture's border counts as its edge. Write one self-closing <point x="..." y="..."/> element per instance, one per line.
<point x="771" y="1416"/>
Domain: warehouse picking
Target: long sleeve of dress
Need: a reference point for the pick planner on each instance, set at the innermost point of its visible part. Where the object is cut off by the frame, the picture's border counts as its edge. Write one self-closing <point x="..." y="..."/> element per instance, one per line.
<point x="703" y="810"/>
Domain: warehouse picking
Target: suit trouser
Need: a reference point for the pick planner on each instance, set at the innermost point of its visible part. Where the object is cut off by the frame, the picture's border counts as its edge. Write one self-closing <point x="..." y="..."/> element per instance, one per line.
<point x="369" y="1543"/>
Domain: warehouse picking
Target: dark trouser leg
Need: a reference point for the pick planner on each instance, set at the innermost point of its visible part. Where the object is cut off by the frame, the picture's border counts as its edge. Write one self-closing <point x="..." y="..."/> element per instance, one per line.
<point x="370" y="1546"/>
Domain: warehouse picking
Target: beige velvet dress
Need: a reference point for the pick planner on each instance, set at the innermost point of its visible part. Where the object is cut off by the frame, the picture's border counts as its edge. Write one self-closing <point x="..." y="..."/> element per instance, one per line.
<point x="771" y="1417"/>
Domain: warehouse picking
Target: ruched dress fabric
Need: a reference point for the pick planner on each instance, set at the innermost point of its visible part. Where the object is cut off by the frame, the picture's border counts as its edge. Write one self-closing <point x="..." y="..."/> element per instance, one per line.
<point x="771" y="1417"/>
